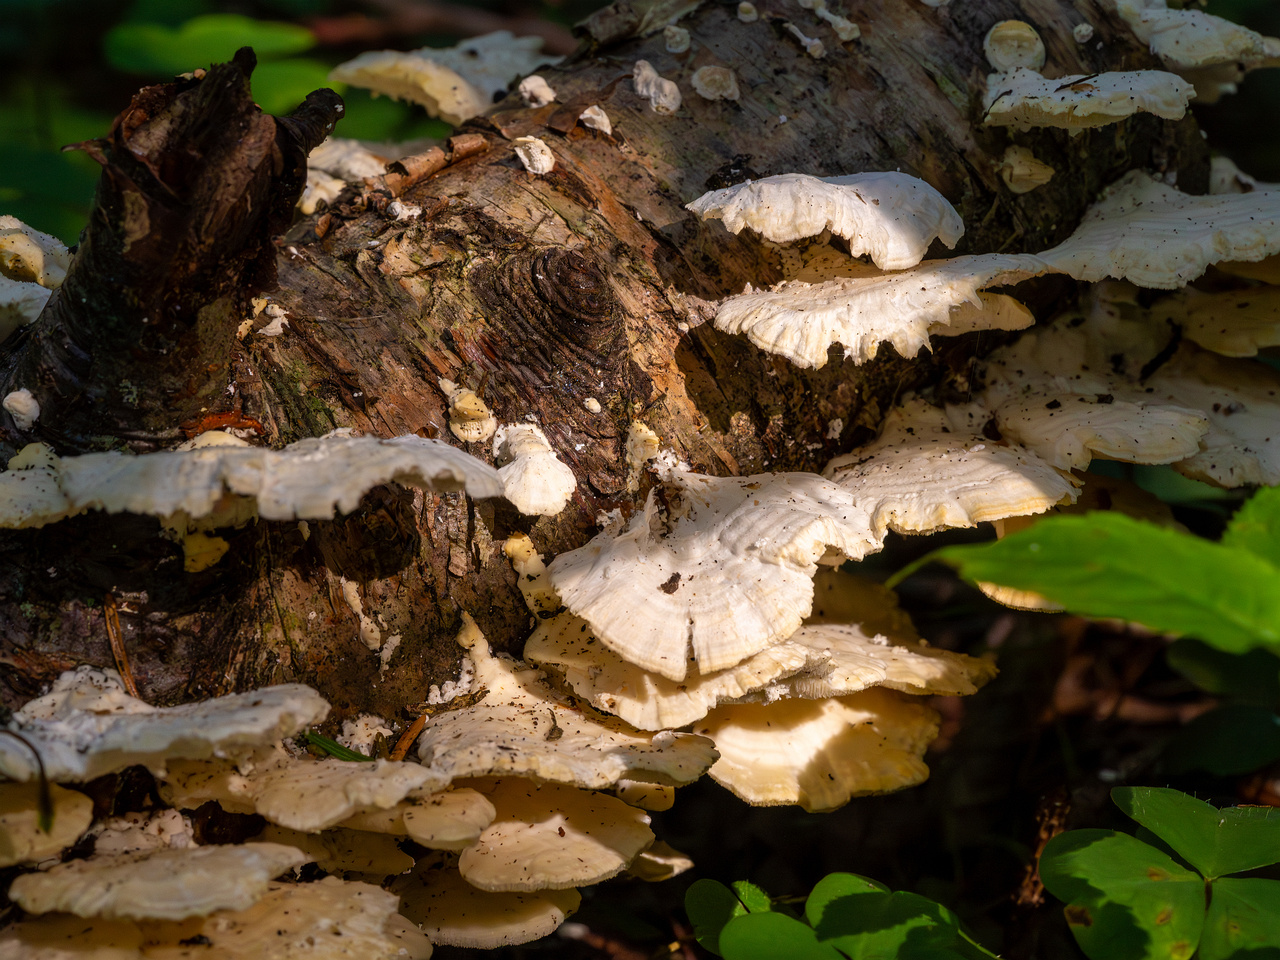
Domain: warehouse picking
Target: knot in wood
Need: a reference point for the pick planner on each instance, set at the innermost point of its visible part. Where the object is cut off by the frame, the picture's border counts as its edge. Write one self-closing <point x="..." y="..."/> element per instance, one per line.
<point x="572" y="285"/>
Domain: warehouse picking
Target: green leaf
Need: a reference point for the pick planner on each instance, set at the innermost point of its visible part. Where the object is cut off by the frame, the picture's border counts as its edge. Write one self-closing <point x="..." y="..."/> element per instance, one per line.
<point x="1231" y="740"/>
<point x="752" y="897"/>
<point x="710" y="905"/>
<point x="333" y="748"/>
<point x="772" y="936"/>
<point x="1125" y="900"/>
<point x="834" y="886"/>
<point x="1215" y="842"/>
<point x="904" y="925"/>
<point x="280" y="86"/>
<point x="1244" y="915"/>
<point x="157" y="50"/>
<point x="1253" y="677"/>
<point x="1108" y="565"/>
<point x="1256" y="526"/>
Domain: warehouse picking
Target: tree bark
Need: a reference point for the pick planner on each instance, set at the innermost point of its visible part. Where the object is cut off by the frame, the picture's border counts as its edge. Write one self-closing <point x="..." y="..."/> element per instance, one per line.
<point x="537" y="291"/>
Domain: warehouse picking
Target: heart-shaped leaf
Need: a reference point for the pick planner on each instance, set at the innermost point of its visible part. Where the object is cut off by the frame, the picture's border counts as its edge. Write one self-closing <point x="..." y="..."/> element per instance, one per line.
<point x="772" y="936"/>
<point x="1244" y="916"/>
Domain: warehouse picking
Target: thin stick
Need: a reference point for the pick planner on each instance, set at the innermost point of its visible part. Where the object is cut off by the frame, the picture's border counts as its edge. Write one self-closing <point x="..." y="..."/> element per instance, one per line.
<point x="401" y="749"/>
<point x="111" y="615"/>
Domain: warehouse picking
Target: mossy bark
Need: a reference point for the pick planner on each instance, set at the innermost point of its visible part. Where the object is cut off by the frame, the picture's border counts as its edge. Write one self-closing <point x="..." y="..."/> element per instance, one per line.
<point x="541" y="292"/>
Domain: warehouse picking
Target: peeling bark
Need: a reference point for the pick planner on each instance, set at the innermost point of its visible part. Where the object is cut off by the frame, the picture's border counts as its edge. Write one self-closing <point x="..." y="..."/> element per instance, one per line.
<point x="538" y="292"/>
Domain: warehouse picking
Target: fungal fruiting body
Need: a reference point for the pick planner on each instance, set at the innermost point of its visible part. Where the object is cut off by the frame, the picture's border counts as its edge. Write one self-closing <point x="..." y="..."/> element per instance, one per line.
<point x="663" y="95"/>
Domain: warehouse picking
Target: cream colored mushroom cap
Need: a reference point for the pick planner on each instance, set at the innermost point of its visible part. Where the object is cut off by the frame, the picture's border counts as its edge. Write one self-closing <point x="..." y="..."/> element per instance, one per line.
<point x="1188" y="39"/>
<point x="22" y="840"/>
<point x="1155" y="236"/>
<point x="928" y="471"/>
<point x="27" y="255"/>
<point x="552" y="837"/>
<point x="1022" y="172"/>
<point x="660" y="862"/>
<point x="165" y="884"/>
<point x="821" y="753"/>
<point x="647" y="700"/>
<point x="311" y="795"/>
<point x="524" y="728"/>
<point x="1233" y="323"/>
<point x="726" y="573"/>
<point x="341" y="851"/>
<point x="1023" y="98"/>
<point x="453" y="912"/>
<point x="802" y="321"/>
<point x="1011" y="44"/>
<point x="330" y="919"/>
<point x="305" y="480"/>
<point x="890" y="216"/>
<point x="449" y="820"/>
<point x="533" y="477"/>
<point x="82" y="736"/>
<point x="20" y="303"/>
<point x="63" y="936"/>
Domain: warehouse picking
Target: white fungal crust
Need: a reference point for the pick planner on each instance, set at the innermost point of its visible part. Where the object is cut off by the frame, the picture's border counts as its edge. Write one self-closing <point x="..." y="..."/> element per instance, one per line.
<point x="712" y="570"/>
<point x="536" y="92"/>
<point x="165" y="884"/>
<point x="535" y="156"/>
<point x="452" y="912"/>
<point x="449" y="820"/>
<point x="802" y="321"/>
<point x="715" y="83"/>
<point x="1190" y="39"/>
<point x="1024" y="99"/>
<point x="1011" y="44"/>
<point x="456" y="83"/>
<point x="891" y="217"/>
<point x="87" y="726"/>
<point x="1022" y="172"/>
<point x="524" y="728"/>
<point x="663" y="95"/>
<point x="306" y="480"/>
<point x="1155" y="236"/>
<point x="928" y="472"/>
<point x="533" y="477"/>
<point x="596" y="119"/>
<point x="22" y="840"/>
<point x="821" y="753"/>
<point x="549" y="836"/>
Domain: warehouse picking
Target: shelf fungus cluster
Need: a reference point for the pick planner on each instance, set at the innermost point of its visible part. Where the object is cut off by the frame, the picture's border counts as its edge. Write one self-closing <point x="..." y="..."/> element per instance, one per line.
<point x="484" y="842"/>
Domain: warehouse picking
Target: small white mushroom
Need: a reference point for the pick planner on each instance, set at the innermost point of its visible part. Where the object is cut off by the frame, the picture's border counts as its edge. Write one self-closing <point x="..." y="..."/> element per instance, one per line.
<point x="535" y="155"/>
<point x="845" y="29"/>
<point x="595" y="118"/>
<point x="813" y="47"/>
<point x="642" y="446"/>
<point x="470" y="420"/>
<point x="1082" y="32"/>
<point x="1011" y="44"/>
<point x="715" y="83"/>
<point x="747" y="12"/>
<point x="1022" y="172"/>
<point x="23" y="407"/>
<point x="663" y="95"/>
<point x="592" y="405"/>
<point x="536" y="92"/>
<point x="533" y="477"/>
<point x="676" y="39"/>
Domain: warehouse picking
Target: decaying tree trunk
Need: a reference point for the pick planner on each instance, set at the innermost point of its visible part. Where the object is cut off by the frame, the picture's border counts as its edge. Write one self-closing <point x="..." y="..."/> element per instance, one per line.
<point x="539" y="292"/>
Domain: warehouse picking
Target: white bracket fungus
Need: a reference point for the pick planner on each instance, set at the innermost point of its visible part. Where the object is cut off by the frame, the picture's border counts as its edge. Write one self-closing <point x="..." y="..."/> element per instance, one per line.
<point x="821" y="753"/>
<point x="1011" y="44"/>
<point x="596" y="119"/>
<point x="927" y="472"/>
<point x="533" y="477"/>
<point x="22" y="840"/>
<point x="536" y="92"/>
<point x="449" y="820"/>
<point x="165" y="884"/>
<point x="1024" y="99"/>
<point x="715" y="83"/>
<point x="305" y="480"/>
<point x="1022" y="172"/>
<point x="714" y="571"/>
<point x="346" y="159"/>
<point x="663" y="95"/>
<point x="29" y="256"/>
<point x="535" y="156"/>
<point x="343" y="851"/>
<point x="524" y="728"/>
<point x="454" y="84"/>
<point x="470" y="420"/>
<point x="1186" y="40"/>
<point x="23" y="407"/>
<point x="549" y="836"/>
<point x="87" y="726"/>
<point x="892" y="217"/>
